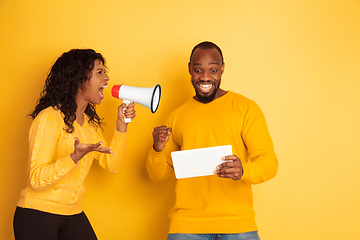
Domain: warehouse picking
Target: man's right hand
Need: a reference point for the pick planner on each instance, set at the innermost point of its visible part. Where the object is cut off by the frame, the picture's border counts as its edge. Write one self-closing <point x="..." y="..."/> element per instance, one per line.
<point x="161" y="136"/>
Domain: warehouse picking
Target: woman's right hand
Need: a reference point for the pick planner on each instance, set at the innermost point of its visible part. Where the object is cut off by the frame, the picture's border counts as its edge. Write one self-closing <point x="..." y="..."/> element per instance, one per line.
<point x="125" y="111"/>
<point x="81" y="149"/>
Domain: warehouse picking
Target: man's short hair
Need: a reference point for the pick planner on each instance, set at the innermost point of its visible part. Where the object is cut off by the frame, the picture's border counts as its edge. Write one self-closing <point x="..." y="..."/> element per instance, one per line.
<point x="205" y="46"/>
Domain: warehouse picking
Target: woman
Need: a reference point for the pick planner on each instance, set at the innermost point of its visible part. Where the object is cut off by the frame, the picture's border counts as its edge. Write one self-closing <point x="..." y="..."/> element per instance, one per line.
<point x="65" y="137"/>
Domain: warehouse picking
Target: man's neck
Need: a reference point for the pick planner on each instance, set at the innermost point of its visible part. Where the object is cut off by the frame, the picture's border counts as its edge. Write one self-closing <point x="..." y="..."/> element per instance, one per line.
<point x="219" y="93"/>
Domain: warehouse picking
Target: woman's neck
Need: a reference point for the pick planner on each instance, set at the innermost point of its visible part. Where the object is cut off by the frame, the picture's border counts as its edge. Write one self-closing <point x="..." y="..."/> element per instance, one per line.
<point x="81" y="107"/>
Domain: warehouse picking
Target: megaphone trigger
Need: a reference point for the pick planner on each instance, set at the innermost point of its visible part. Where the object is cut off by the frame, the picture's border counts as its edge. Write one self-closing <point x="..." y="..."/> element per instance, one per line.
<point x="127" y="102"/>
<point x="148" y="97"/>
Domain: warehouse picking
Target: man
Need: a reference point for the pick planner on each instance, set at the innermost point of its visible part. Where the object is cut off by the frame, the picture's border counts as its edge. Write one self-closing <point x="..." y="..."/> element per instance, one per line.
<point x="217" y="206"/>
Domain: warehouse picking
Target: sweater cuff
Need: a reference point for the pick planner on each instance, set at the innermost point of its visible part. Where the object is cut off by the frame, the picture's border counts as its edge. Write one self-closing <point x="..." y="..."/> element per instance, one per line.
<point x="120" y="133"/>
<point x="247" y="172"/>
<point x="155" y="154"/>
<point x="68" y="164"/>
<point x="120" y="137"/>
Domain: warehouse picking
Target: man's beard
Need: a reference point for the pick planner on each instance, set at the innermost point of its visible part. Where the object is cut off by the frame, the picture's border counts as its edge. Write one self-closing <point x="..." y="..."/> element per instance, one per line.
<point x="206" y="99"/>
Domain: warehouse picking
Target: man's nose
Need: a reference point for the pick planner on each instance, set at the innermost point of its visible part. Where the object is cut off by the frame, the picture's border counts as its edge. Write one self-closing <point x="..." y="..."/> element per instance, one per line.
<point x="205" y="76"/>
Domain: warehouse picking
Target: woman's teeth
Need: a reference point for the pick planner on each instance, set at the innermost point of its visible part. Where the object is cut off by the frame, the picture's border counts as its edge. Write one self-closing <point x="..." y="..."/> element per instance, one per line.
<point x="101" y="91"/>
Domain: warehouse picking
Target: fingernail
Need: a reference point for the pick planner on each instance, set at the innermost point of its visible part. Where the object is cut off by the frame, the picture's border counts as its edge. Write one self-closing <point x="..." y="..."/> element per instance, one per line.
<point x="111" y="153"/>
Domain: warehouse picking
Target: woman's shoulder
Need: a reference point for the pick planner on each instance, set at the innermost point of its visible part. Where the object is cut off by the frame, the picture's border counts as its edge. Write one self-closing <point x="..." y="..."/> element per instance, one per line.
<point x="50" y="112"/>
<point x="48" y="121"/>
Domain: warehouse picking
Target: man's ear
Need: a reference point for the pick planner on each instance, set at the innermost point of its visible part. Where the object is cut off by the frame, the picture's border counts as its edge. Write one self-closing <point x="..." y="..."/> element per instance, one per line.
<point x="222" y="68"/>
<point x="189" y="68"/>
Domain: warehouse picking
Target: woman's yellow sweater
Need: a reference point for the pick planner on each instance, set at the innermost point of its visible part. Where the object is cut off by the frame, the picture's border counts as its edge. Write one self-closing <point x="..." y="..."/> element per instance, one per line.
<point x="211" y="204"/>
<point x="55" y="183"/>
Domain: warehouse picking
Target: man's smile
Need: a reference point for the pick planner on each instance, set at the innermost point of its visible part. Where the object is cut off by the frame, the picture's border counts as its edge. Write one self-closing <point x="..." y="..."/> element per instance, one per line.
<point x="205" y="87"/>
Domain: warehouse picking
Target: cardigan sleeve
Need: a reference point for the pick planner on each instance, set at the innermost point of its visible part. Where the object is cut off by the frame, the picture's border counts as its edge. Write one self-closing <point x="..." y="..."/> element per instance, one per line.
<point x="262" y="164"/>
<point x="113" y="162"/>
<point x="44" y="136"/>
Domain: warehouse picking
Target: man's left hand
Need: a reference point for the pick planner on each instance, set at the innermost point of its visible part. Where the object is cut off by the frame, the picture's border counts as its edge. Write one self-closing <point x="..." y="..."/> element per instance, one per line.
<point x="232" y="168"/>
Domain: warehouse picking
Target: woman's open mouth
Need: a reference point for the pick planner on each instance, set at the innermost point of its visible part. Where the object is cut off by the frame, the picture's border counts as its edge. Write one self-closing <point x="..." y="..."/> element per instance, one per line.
<point x="101" y="91"/>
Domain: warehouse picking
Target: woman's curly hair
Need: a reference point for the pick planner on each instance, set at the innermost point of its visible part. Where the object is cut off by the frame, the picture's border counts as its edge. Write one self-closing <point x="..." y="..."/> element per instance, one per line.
<point x="66" y="77"/>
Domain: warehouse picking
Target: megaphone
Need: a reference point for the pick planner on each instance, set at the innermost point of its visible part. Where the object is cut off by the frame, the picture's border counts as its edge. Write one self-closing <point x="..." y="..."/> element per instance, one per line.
<point x="148" y="97"/>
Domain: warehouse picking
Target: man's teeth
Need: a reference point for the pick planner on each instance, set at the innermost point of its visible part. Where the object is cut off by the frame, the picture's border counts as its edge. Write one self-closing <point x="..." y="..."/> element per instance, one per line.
<point x="205" y="86"/>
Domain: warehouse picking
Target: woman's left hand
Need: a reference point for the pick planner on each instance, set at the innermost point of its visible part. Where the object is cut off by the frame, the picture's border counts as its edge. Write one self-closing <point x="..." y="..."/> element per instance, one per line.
<point x="81" y="149"/>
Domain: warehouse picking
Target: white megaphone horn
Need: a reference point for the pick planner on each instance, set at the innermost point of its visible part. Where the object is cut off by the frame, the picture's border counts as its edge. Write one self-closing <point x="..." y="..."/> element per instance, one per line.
<point x="148" y="97"/>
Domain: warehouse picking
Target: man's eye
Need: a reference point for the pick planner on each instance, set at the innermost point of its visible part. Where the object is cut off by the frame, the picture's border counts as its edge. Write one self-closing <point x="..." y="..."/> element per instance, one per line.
<point x="197" y="70"/>
<point x="213" y="70"/>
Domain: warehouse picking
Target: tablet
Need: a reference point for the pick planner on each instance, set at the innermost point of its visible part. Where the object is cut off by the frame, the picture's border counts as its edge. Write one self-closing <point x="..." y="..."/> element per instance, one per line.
<point x="199" y="162"/>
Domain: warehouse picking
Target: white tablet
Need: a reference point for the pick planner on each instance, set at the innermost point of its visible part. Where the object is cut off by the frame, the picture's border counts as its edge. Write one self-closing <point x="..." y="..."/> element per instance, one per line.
<point x="198" y="162"/>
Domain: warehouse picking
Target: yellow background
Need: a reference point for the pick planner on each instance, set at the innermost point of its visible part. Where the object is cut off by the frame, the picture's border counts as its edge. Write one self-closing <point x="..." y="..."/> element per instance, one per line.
<point x="299" y="60"/>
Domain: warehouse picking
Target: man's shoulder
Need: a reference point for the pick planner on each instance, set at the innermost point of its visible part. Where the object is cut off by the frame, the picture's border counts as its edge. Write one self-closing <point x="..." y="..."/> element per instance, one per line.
<point x="241" y="99"/>
<point x="246" y="104"/>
